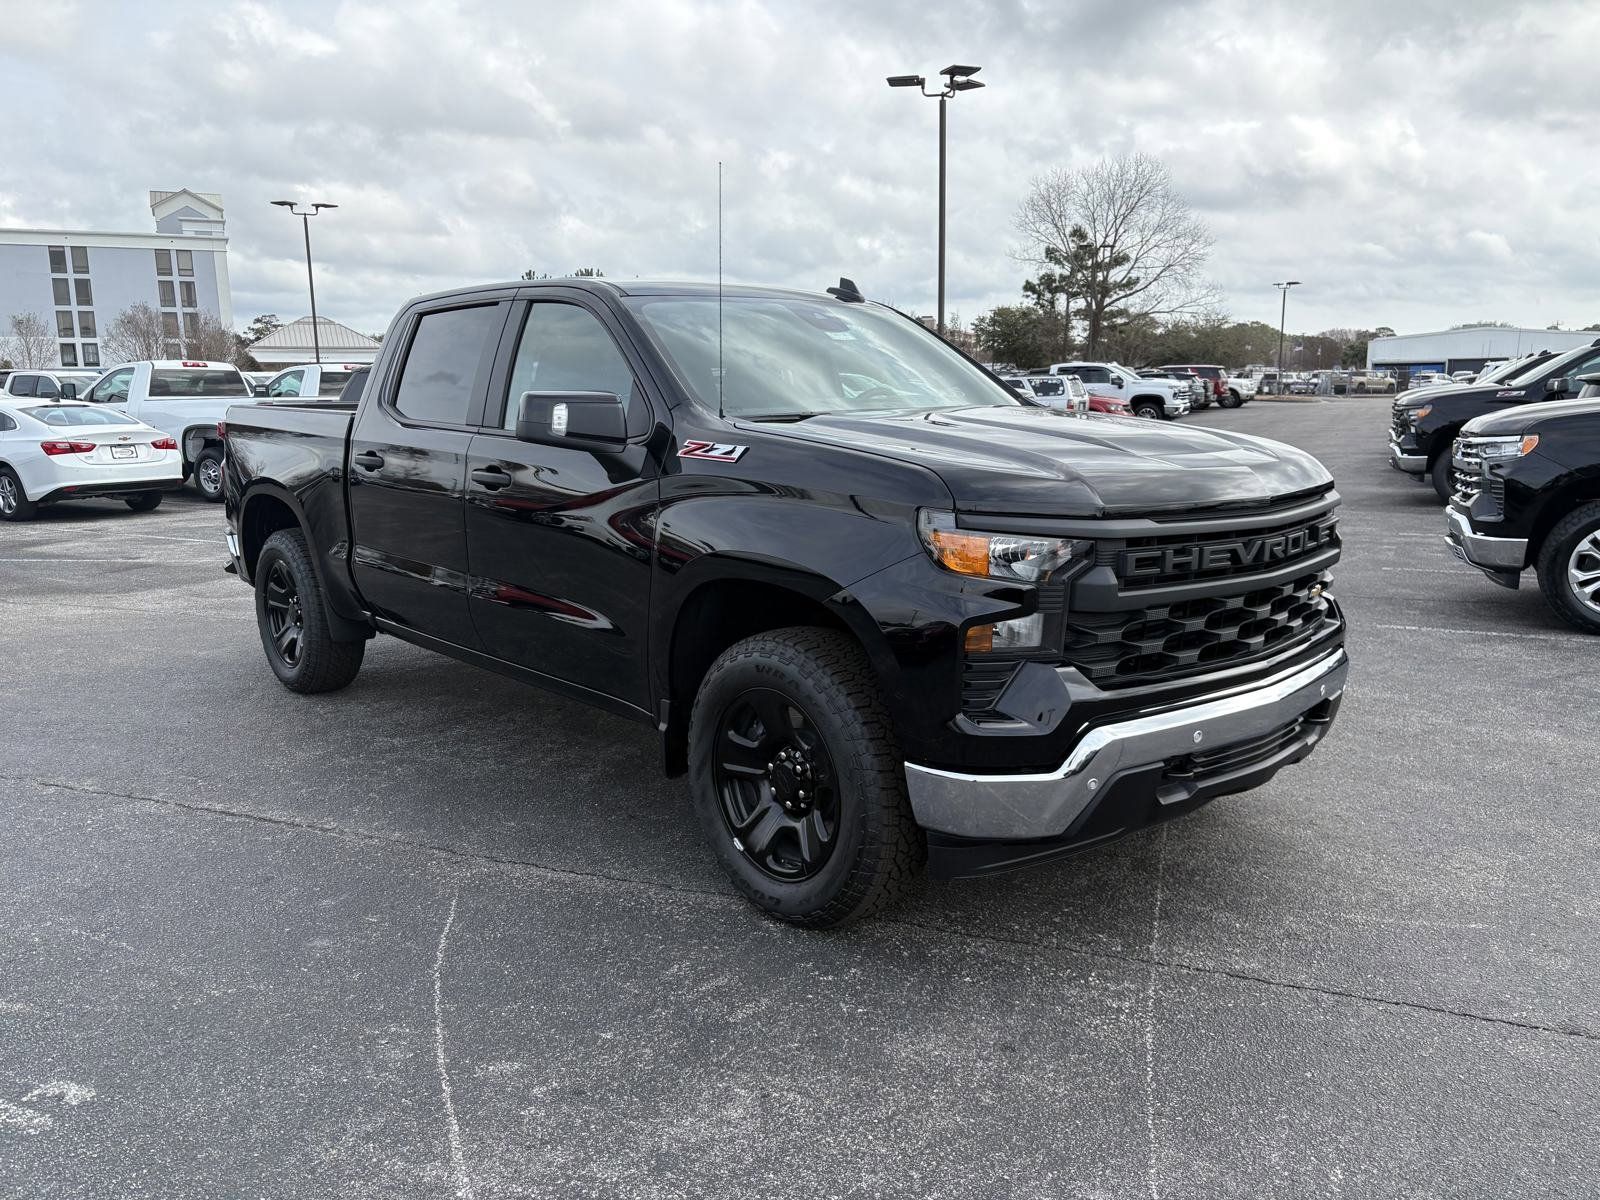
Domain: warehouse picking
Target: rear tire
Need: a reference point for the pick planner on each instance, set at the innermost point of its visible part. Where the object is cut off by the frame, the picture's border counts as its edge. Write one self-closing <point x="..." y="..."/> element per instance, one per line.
<point x="1569" y="568"/>
<point x="208" y="473"/>
<point x="292" y="616"/>
<point x="1148" y="410"/>
<point x="143" y="502"/>
<point x="14" y="502"/>
<point x="1440" y="474"/>
<point x="805" y="699"/>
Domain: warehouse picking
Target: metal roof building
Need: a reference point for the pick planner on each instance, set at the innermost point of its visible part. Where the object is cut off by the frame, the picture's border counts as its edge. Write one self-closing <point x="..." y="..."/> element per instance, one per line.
<point x="292" y="344"/>
<point x="1468" y="349"/>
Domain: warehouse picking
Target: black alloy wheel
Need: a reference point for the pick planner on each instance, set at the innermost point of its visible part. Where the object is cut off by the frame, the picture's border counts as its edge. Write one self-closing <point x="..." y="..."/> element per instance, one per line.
<point x="776" y="785"/>
<point x="286" y="621"/>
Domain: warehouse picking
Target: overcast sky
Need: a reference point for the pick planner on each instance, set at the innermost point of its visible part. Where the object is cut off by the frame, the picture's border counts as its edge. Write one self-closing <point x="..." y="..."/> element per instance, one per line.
<point x="1415" y="164"/>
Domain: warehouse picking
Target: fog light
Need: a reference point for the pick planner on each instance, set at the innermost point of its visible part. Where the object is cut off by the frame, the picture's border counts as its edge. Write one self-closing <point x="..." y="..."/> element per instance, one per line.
<point x="1020" y="633"/>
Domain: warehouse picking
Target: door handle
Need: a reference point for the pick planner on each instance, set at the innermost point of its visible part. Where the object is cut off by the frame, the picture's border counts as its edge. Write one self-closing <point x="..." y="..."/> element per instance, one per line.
<point x="492" y="478"/>
<point x="369" y="460"/>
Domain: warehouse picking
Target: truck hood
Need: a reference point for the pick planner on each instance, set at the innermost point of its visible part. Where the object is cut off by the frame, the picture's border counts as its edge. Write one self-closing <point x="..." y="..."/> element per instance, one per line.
<point x="1525" y="418"/>
<point x="1032" y="461"/>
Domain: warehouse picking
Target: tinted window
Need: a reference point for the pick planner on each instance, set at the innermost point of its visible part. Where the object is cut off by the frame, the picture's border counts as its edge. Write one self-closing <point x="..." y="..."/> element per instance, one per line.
<point x="442" y="364"/>
<point x="170" y="382"/>
<point x="6" y="423"/>
<point x="80" y="260"/>
<point x="23" y="385"/>
<point x="354" y="385"/>
<point x="1091" y="374"/>
<point x="565" y="348"/>
<point x="62" y="415"/>
<point x="45" y="387"/>
<point x="163" y="262"/>
<point x="58" y="260"/>
<point x="332" y="382"/>
<point x="63" y="290"/>
<point x="85" y="292"/>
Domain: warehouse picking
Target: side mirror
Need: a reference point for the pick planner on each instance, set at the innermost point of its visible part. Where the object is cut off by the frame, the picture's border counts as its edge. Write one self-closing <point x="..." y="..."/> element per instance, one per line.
<point x="1558" y="386"/>
<point x="258" y="389"/>
<point x="578" y="419"/>
<point x="69" y="391"/>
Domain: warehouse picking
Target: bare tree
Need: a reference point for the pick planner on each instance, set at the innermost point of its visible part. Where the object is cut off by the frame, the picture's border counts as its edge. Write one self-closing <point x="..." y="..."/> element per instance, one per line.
<point x="205" y="337"/>
<point x="1131" y="242"/>
<point x="135" y="334"/>
<point x="33" y="342"/>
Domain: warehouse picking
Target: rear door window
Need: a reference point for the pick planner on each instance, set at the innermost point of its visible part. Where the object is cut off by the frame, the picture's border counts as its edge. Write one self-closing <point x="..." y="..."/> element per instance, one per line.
<point x="23" y="385"/>
<point x="445" y="362"/>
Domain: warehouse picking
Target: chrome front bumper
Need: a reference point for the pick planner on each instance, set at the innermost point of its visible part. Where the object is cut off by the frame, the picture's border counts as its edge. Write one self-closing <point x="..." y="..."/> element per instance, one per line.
<point x="1020" y="807"/>
<point x="1486" y="553"/>
<point x="1411" y="464"/>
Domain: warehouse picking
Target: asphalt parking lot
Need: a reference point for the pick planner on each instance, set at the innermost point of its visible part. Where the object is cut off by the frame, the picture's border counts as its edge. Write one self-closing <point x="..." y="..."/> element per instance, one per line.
<point x="438" y="935"/>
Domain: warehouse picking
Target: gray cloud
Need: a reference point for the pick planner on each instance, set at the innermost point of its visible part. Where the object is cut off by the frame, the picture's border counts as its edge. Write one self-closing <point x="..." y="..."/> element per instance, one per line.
<point x="1416" y="164"/>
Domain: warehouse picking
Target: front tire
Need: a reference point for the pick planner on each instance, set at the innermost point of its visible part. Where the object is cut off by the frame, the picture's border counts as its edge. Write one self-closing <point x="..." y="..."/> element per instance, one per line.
<point x="292" y="616"/>
<point x="1569" y="568"/>
<point x="14" y="502"/>
<point x="208" y="474"/>
<point x="143" y="502"/>
<point x="1148" y="410"/>
<point x="1231" y="400"/>
<point x="1440" y="473"/>
<point x="797" y="779"/>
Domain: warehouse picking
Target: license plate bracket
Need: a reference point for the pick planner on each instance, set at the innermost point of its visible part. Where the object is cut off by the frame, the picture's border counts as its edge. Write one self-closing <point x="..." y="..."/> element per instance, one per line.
<point x="124" y="452"/>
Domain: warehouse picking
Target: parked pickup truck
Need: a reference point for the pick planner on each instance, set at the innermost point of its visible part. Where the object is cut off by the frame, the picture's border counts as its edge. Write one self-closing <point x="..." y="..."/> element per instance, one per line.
<point x="879" y="611"/>
<point x="1423" y="428"/>
<point x="310" y="379"/>
<point x="183" y="398"/>
<point x="1527" y="494"/>
<point x="1152" y="399"/>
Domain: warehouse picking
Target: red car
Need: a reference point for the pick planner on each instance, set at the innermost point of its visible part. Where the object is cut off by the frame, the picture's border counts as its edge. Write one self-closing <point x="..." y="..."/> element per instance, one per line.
<point x="1112" y="405"/>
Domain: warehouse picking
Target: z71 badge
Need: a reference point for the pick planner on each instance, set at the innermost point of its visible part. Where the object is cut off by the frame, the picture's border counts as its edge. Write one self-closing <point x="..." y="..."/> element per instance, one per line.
<point x="720" y="451"/>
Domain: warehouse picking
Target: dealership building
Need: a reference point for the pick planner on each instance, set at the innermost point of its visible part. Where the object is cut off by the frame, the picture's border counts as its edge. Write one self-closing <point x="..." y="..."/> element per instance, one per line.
<point x="80" y="280"/>
<point x="1467" y="349"/>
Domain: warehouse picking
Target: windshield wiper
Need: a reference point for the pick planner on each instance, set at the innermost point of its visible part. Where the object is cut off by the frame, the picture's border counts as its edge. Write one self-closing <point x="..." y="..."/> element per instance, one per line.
<point x="770" y="417"/>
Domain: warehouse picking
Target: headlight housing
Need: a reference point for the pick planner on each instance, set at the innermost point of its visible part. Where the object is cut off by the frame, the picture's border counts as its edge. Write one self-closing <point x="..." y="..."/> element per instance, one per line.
<point x="1019" y="558"/>
<point x="1421" y="412"/>
<point x="1499" y="448"/>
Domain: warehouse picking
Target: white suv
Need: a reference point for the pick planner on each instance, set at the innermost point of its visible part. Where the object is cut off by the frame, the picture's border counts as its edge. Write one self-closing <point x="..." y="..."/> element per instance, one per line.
<point x="1153" y="399"/>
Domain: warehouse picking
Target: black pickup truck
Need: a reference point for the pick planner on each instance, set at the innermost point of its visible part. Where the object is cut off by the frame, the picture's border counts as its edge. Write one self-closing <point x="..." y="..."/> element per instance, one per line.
<point x="1527" y="494"/>
<point x="1423" y="428"/>
<point x="878" y="610"/>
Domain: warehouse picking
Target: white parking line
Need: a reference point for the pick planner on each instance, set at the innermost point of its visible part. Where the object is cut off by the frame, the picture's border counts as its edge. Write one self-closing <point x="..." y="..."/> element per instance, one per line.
<point x="1535" y="637"/>
<point x="1427" y="570"/>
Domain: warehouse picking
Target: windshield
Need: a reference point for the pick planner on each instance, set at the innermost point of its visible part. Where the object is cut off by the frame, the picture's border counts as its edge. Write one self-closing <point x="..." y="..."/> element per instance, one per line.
<point x="1128" y="371"/>
<point x="1534" y="373"/>
<point x="783" y="357"/>
<point x="63" y="415"/>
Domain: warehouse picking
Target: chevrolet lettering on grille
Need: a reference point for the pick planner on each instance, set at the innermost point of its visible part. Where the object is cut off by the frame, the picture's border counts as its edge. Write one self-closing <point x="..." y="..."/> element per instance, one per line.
<point x="1258" y="551"/>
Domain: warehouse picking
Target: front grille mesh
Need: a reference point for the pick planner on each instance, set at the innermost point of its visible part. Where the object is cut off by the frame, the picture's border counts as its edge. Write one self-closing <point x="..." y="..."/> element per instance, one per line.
<point x="1165" y="641"/>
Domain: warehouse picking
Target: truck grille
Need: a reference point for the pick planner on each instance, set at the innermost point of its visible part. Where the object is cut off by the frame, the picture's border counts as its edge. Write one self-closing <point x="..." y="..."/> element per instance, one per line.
<point x="1165" y="641"/>
<point x="1467" y="474"/>
<point x="1399" y="423"/>
<point x="1164" y="560"/>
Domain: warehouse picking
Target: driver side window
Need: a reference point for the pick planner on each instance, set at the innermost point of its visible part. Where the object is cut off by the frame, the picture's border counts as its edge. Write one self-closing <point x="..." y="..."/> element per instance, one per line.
<point x="287" y="384"/>
<point x="112" y="388"/>
<point x="565" y="348"/>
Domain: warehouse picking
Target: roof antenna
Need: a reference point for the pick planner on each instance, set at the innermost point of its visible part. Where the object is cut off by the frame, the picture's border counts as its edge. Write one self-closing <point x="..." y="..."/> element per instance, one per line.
<point x="719" y="289"/>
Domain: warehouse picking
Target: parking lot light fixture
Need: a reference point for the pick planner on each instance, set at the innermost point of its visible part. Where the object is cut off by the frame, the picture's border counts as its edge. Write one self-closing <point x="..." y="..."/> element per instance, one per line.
<point x="305" y="224"/>
<point x="1283" y="312"/>
<point x="957" y="78"/>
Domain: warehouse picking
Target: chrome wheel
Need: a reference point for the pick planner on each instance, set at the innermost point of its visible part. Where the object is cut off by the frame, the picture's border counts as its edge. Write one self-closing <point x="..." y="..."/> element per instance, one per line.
<point x="1583" y="571"/>
<point x="8" y="495"/>
<point x="208" y="473"/>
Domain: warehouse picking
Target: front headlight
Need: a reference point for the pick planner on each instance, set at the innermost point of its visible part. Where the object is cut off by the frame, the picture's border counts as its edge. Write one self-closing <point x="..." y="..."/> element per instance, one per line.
<point x="1016" y="557"/>
<point x="1421" y="412"/>
<point x="1505" y="447"/>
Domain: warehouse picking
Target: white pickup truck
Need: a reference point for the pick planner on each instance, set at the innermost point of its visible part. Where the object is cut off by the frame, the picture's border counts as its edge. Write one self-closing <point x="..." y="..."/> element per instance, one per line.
<point x="1241" y="388"/>
<point x="184" y="398"/>
<point x="1152" y="399"/>
<point x="323" y="381"/>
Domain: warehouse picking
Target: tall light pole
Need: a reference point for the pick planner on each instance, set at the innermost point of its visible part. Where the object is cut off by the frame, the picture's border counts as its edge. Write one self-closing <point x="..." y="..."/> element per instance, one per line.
<point x="305" y="223"/>
<point x="1283" y="313"/>
<point x="957" y="78"/>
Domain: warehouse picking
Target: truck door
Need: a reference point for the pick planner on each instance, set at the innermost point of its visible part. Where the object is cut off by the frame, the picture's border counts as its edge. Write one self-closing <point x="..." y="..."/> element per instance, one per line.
<point x="559" y="538"/>
<point x="408" y="469"/>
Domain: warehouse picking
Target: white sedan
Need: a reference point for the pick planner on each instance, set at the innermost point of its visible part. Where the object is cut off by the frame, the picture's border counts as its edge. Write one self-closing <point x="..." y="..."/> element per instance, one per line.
<point x="65" y="450"/>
